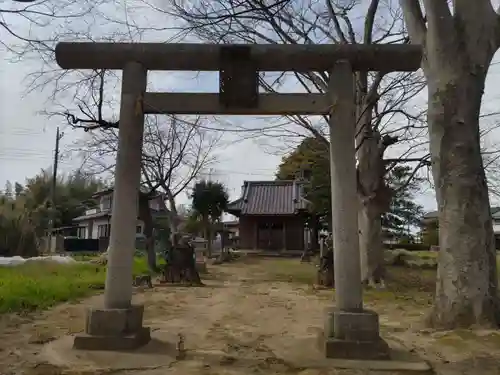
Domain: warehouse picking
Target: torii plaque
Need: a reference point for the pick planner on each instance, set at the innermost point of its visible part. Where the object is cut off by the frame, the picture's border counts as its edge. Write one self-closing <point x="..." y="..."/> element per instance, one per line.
<point x="351" y="331"/>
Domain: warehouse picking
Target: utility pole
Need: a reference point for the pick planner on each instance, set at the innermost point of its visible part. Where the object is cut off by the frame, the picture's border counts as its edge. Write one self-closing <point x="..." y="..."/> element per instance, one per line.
<point x="54" y="169"/>
<point x="53" y="187"/>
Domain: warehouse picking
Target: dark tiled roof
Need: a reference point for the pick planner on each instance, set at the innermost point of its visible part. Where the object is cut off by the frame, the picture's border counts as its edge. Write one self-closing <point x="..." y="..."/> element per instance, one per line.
<point x="431" y="215"/>
<point x="110" y="190"/>
<point x="282" y="197"/>
<point x="155" y="213"/>
<point x="100" y="193"/>
<point x="495" y="212"/>
<point x="93" y="216"/>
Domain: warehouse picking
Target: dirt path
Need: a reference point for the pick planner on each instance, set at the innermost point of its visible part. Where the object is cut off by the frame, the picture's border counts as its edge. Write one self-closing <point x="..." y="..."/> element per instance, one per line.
<point x="247" y="321"/>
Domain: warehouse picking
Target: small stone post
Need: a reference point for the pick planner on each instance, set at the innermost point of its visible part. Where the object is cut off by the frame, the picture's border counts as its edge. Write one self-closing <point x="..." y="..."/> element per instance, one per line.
<point x="350" y="331"/>
<point x="119" y="324"/>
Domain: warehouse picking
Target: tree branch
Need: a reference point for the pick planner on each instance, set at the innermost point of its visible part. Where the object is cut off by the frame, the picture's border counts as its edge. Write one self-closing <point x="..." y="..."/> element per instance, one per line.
<point x="415" y="21"/>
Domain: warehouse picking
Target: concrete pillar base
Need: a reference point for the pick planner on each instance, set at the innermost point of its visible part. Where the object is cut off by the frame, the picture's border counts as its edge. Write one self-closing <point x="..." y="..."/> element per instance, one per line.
<point x="353" y="335"/>
<point x="113" y="329"/>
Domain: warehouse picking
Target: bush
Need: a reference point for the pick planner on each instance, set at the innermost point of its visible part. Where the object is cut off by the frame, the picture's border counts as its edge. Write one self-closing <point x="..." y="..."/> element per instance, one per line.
<point x="411" y="259"/>
<point x="17" y="233"/>
<point x="39" y="285"/>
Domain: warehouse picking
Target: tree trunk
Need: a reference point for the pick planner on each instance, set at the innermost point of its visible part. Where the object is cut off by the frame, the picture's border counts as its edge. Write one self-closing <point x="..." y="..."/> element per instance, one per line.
<point x="459" y="46"/>
<point x="181" y="266"/>
<point x="374" y="199"/>
<point x="370" y="243"/>
<point x="147" y="219"/>
<point x="207" y="233"/>
<point x="173" y="216"/>
<point x="466" y="291"/>
<point x="326" y="275"/>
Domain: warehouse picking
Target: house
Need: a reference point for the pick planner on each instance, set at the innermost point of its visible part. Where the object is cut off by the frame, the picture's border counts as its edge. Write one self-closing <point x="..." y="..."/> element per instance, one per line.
<point x="96" y="222"/>
<point x="272" y="215"/>
<point x="66" y="231"/>
<point x="430" y="224"/>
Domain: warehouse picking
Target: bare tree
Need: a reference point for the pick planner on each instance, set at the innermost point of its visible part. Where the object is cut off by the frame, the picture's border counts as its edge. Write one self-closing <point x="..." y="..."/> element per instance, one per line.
<point x="28" y="24"/>
<point x="385" y="111"/>
<point x="175" y="152"/>
<point x="459" y="43"/>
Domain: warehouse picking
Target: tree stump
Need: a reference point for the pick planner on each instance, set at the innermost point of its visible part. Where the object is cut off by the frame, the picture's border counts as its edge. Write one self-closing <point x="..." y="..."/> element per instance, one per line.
<point x="325" y="275"/>
<point x="181" y="266"/>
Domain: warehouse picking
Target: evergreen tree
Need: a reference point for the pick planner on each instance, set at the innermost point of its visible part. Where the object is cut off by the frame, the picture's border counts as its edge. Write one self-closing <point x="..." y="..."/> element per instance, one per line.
<point x="24" y="214"/>
<point x="404" y="214"/>
<point x="209" y="202"/>
<point x="311" y="159"/>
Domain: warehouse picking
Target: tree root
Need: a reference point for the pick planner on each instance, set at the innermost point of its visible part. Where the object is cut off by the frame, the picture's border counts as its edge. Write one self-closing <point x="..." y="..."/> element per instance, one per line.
<point x="181" y="275"/>
<point x="374" y="285"/>
<point x="325" y="278"/>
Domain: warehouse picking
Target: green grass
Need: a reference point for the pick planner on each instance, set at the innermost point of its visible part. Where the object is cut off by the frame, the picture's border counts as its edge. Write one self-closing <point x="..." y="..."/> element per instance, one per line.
<point x="39" y="285"/>
<point x="409" y="285"/>
<point x="289" y="270"/>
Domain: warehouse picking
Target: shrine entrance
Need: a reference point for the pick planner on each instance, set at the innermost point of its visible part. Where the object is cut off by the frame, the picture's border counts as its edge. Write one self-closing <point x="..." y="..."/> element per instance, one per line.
<point x="350" y="331"/>
<point x="270" y="236"/>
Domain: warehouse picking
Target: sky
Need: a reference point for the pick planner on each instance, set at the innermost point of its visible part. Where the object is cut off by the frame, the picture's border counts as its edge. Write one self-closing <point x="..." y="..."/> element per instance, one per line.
<point x="27" y="136"/>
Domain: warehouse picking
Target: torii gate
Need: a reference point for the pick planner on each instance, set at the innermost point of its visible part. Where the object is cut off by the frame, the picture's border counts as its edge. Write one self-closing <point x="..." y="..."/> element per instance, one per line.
<point x="350" y="331"/>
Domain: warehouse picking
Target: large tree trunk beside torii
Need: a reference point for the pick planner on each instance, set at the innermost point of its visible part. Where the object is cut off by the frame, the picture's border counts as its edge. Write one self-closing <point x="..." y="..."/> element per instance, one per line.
<point x="459" y="47"/>
<point x="466" y="291"/>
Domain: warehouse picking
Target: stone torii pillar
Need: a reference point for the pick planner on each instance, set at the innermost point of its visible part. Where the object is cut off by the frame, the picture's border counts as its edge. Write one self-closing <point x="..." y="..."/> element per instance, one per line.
<point x="350" y="331"/>
<point x="118" y="325"/>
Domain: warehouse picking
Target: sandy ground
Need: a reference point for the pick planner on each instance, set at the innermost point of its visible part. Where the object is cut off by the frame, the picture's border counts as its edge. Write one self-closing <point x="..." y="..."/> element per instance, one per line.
<point x="251" y="321"/>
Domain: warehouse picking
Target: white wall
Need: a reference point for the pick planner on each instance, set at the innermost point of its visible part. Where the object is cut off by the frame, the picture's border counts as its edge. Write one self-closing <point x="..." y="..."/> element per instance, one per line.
<point x="86" y="232"/>
<point x="496" y="228"/>
<point x="103" y="221"/>
<point x="106" y="202"/>
<point x="95" y="227"/>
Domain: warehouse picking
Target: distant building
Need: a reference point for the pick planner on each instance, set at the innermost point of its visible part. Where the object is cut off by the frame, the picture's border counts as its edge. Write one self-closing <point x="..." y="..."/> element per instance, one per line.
<point x="96" y="222"/>
<point x="272" y="215"/>
<point x="430" y="223"/>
